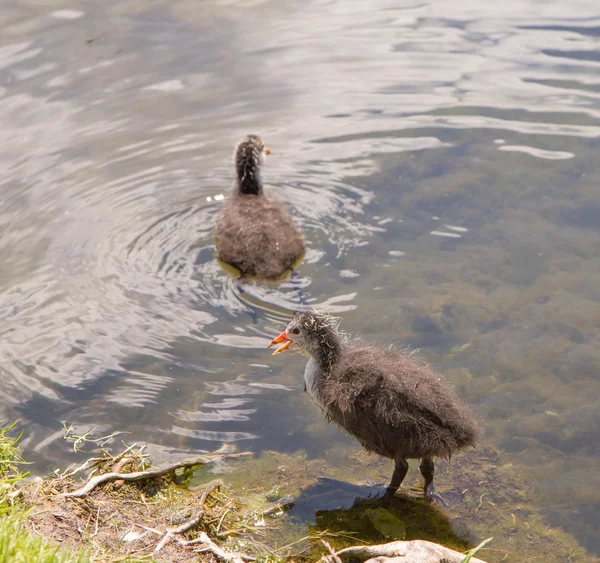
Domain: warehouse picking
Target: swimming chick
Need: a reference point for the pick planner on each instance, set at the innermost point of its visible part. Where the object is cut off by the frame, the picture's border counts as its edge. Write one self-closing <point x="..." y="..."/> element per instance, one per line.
<point x="393" y="406"/>
<point x="256" y="234"/>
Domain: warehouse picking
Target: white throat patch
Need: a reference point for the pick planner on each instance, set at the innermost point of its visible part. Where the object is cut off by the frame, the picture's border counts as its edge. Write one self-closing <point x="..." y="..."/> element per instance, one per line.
<point x="311" y="373"/>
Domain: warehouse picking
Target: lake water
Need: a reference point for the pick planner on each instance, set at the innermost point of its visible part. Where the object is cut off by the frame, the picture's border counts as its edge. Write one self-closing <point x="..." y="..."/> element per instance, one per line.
<point x="441" y="158"/>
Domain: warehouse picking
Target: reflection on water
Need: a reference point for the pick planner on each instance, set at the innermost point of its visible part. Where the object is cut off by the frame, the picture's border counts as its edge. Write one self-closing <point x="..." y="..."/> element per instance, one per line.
<point x="440" y="158"/>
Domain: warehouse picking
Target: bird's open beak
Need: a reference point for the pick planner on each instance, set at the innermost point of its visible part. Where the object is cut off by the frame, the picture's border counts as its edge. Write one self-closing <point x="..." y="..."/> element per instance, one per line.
<point x="281" y="338"/>
<point x="267" y="150"/>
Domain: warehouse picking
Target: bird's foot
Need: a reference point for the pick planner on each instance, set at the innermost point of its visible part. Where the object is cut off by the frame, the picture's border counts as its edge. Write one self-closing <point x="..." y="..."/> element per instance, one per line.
<point x="432" y="496"/>
<point x="389" y="493"/>
<point x="410" y="493"/>
<point x="380" y="493"/>
<point x="377" y="497"/>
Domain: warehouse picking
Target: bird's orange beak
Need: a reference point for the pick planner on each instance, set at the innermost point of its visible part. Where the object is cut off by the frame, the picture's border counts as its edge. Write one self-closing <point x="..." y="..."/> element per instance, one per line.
<point x="267" y="150"/>
<point x="281" y="338"/>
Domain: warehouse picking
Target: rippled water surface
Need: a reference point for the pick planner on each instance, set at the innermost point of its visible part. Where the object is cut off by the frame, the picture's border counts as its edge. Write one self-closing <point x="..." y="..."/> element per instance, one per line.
<point x="441" y="158"/>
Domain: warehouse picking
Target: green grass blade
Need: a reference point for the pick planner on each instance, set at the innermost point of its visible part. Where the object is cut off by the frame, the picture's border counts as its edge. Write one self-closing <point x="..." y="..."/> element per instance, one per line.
<point x="475" y="550"/>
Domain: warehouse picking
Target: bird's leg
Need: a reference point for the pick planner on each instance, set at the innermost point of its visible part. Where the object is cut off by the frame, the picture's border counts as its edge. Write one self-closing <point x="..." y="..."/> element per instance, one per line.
<point x="427" y="469"/>
<point x="397" y="477"/>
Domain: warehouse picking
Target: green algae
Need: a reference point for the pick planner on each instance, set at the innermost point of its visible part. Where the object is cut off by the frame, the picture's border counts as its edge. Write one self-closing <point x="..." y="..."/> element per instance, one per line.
<point x="390" y="527"/>
<point x="486" y="494"/>
<point x="413" y="520"/>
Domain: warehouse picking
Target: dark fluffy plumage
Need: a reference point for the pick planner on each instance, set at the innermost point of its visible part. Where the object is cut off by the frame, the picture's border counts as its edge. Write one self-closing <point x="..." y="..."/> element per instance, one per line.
<point x="258" y="237"/>
<point x="394" y="406"/>
<point x="255" y="234"/>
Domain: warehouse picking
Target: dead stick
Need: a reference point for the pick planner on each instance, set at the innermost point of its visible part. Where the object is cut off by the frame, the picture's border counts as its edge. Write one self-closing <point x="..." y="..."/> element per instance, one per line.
<point x="283" y="505"/>
<point x="95" y="460"/>
<point x="153" y="530"/>
<point x="206" y="543"/>
<point x="219" y="553"/>
<point x="85" y="465"/>
<point x="122" y="463"/>
<point x="334" y="555"/>
<point x="148" y="474"/>
<point x="399" y="549"/>
<point x="118" y="466"/>
<point x="120" y="456"/>
<point x="193" y="521"/>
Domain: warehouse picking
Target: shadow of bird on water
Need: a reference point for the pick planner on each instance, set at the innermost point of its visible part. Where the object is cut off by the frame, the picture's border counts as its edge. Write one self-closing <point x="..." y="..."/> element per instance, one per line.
<point x="356" y="514"/>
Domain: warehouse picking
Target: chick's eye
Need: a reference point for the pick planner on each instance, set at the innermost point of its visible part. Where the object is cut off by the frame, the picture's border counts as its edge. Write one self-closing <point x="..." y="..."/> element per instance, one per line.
<point x="295" y="331"/>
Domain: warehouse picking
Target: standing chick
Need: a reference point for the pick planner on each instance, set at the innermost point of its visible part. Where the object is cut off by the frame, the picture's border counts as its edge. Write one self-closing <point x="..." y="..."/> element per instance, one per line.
<point x="390" y="404"/>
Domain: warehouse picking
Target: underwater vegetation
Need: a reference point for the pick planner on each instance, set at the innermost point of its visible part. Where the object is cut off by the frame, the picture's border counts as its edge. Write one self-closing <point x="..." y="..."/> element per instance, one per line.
<point x="484" y="494"/>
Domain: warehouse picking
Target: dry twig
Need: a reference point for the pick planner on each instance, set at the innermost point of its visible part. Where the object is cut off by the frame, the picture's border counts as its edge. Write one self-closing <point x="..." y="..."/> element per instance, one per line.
<point x="283" y="505"/>
<point x="334" y="555"/>
<point x="219" y="553"/>
<point x="87" y="464"/>
<point x="122" y="463"/>
<point x="206" y="544"/>
<point x="414" y="551"/>
<point x="193" y="521"/>
<point x="138" y="475"/>
<point x="96" y="461"/>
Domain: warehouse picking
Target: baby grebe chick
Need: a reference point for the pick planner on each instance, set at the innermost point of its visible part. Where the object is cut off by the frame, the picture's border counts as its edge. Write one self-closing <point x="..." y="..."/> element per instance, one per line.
<point x="393" y="406"/>
<point x="255" y="234"/>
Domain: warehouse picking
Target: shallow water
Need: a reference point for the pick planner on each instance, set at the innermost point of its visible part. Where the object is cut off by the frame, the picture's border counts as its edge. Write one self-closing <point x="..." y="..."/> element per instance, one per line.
<point x="440" y="158"/>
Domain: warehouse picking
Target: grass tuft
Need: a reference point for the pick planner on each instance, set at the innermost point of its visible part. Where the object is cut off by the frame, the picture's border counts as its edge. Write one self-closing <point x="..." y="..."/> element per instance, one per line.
<point x="18" y="545"/>
<point x="9" y="454"/>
